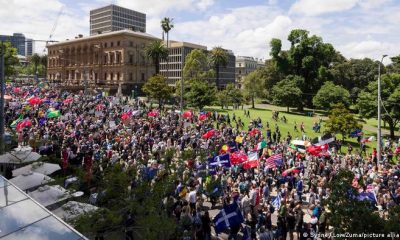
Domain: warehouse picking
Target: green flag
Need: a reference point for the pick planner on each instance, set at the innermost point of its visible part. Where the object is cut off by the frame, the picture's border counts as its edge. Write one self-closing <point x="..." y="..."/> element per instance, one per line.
<point x="54" y="114"/>
<point x="15" y="122"/>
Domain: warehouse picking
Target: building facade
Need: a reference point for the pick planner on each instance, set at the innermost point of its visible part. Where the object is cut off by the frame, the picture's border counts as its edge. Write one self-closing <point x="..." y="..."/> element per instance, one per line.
<point x="176" y="60"/>
<point x="109" y="60"/>
<point x="114" y="18"/>
<point x="244" y="66"/>
<point x="178" y="52"/>
<point x="19" y="42"/>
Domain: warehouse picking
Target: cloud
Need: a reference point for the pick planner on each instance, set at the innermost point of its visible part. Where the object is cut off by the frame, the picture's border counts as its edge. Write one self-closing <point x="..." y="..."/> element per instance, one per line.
<point x="318" y="7"/>
<point x="368" y="48"/>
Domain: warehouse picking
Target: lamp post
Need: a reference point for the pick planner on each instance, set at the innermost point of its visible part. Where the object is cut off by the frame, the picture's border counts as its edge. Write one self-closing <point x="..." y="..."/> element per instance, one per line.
<point x="378" y="147"/>
<point x="2" y="73"/>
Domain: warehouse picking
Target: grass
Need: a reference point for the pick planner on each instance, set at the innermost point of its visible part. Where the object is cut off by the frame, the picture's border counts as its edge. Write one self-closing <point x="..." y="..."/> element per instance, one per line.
<point x="293" y="117"/>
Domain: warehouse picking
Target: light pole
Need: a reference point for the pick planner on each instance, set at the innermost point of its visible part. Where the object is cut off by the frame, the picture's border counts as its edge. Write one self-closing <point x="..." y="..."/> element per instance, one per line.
<point x="2" y="73"/>
<point x="379" y="112"/>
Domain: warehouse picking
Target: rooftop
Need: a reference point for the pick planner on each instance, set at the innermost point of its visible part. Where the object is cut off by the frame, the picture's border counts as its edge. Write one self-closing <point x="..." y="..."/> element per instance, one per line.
<point x="24" y="218"/>
<point x="124" y="32"/>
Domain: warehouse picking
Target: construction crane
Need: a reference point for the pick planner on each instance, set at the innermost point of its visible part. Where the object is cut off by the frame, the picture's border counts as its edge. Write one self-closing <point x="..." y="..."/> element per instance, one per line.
<point x="54" y="28"/>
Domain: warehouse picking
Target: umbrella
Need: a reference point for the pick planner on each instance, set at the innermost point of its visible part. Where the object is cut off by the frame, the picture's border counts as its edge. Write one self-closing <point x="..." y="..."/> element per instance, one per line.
<point x="125" y="116"/>
<point x="187" y="114"/>
<point x="202" y="117"/>
<point x="39" y="167"/>
<point x="19" y="156"/>
<point x="152" y="114"/>
<point x="49" y="195"/>
<point x="209" y="134"/>
<point x="30" y="180"/>
<point x="72" y="210"/>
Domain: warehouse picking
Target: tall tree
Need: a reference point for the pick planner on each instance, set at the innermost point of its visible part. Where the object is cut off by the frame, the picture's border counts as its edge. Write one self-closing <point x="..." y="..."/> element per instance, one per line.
<point x="166" y="25"/>
<point x="10" y="58"/>
<point x="287" y="92"/>
<point x="253" y="85"/>
<point x="305" y="57"/>
<point x="271" y="75"/>
<point x="330" y="94"/>
<point x="390" y="95"/>
<point x="229" y="96"/>
<point x="197" y="66"/>
<point x="157" y="52"/>
<point x="43" y="62"/>
<point x="341" y="120"/>
<point x="218" y="59"/>
<point x="157" y="87"/>
<point x="200" y="94"/>
<point x="35" y="60"/>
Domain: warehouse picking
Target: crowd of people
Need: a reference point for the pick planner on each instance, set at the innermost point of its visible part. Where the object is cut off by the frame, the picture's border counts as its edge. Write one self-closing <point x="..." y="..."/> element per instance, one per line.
<point x="278" y="200"/>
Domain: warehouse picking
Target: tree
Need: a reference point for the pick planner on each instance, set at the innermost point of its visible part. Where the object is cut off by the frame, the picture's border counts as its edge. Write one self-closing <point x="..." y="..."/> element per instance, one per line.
<point x="43" y="62"/>
<point x="390" y="95"/>
<point x="348" y="214"/>
<point x="10" y="59"/>
<point x="218" y="59"/>
<point x="287" y="92"/>
<point x="394" y="67"/>
<point x="197" y="66"/>
<point x="229" y="96"/>
<point x="35" y="60"/>
<point x="201" y="94"/>
<point x="253" y="85"/>
<point x="156" y="87"/>
<point x="157" y="52"/>
<point x="341" y="120"/>
<point x="166" y="25"/>
<point x="330" y="94"/>
<point x="271" y="75"/>
<point x="305" y="57"/>
<point x="354" y="74"/>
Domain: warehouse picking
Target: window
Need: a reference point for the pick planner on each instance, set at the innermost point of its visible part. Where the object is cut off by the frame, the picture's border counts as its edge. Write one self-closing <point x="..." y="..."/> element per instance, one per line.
<point x="117" y="76"/>
<point x="130" y="59"/>
<point x="111" y="76"/>
<point x="112" y="44"/>
<point x="105" y="76"/>
<point x="118" y="43"/>
<point x="142" y="77"/>
<point x="105" y="45"/>
<point x="131" y="43"/>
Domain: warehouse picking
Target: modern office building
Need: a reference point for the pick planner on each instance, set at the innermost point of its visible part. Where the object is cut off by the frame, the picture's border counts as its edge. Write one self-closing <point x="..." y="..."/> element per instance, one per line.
<point x="110" y="60"/>
<point x="176" y="60"/>
<point x="244" y="66"/>
<point x="17" y="41"/>
<point x="114" y="18"/>
<point x="227" y="73"/>
<point x="29" y="47"/>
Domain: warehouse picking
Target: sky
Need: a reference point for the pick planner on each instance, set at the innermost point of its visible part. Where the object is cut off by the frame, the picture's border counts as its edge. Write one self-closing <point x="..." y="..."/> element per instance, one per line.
<point x="356" y="28"/>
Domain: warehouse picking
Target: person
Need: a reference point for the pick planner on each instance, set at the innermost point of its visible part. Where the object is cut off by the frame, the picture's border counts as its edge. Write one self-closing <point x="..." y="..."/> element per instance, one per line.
<point x="264" y="235"/>
<point x="193" y="198"/>
<point x="206" y="225"/>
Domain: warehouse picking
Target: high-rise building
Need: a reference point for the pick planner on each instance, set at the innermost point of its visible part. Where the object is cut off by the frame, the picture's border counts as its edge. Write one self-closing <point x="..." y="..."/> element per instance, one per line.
<point x="113" y="18"/>
<point x="110" y="60"/>
<point x="227" y="73"/>
<point x="17" y="41"/>
<point x="29" y="47"/>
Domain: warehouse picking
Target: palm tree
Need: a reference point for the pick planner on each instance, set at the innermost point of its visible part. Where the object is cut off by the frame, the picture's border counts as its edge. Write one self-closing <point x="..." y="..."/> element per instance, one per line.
<point x="166" y="25"/>
<point x="157" y="52"/>
<point x="35" y="60"/>
<point x="218" y="59"/>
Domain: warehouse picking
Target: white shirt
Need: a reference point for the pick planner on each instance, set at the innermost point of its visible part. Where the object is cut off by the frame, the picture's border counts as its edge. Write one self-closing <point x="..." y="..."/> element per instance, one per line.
<point x="192" y="196"/>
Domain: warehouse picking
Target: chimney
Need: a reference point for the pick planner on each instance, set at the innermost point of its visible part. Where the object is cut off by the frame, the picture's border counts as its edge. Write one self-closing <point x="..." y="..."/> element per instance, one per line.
<point x="80" y="36"/>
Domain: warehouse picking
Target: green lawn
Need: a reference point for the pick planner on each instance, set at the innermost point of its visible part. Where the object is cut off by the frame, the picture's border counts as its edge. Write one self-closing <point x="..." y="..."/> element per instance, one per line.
<point x="266" y="115"/>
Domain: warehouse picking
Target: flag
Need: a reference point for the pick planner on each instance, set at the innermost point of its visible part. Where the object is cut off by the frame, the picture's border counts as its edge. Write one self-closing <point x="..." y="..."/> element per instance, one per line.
<point x="125" y="116"/>
<point x="54" y="114"/>
<point x="317" y="150"/>
<point x="252" y="161"/>
<point x="16" y="121"/>
<point x="246" y="233"/>
<point x="229" y="216"/>
<point x="238" y="157"/>
<point x="202" y="116"/>
<point x="274" y="161"/>
<point x="254" y="132"/>
<point x="209" y="134"/>
<point x="34" y="101"/>
<point x="261" y="145"/>
<point x="152" y="114"/>
<point x="187" y="114"/>
<point x="224" y="149"/>
<point x="369" y="196"/>
<point x="239" y="139"/>
<point x="276" y="203"/>
<point x="356" y="133"/>
<point x="24" y="123"/>
<point x="68" y="101"/>
<point x="370" y="139"/>
<point x="221" y="160"/>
